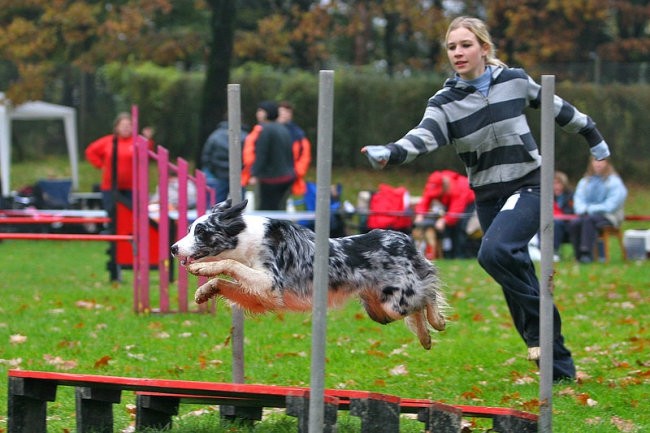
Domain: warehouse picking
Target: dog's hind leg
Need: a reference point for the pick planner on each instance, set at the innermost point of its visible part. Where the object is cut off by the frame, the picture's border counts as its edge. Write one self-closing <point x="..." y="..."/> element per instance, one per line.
<point x="372" y="304"/>
<point x="418" y="325"/>
<point x="435" y="317"/>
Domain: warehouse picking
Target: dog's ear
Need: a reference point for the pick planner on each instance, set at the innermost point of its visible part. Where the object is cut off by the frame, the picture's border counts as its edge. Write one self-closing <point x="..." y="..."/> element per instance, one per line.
<point x="232" y="211"/>
<point x="221" y="206"/>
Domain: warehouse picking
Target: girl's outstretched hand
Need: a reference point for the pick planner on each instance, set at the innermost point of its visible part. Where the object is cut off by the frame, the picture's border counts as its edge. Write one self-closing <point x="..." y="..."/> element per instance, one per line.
<point x="377" y="155"/>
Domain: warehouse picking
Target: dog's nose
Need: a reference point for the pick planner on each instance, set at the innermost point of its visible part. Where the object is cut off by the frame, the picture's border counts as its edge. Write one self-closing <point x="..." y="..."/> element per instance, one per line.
<point x="174" y="250"/>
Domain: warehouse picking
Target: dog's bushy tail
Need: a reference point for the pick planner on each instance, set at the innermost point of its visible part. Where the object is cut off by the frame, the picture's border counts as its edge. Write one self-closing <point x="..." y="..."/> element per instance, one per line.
<point x="437" y="308"/>
<point x="433" y="313"/>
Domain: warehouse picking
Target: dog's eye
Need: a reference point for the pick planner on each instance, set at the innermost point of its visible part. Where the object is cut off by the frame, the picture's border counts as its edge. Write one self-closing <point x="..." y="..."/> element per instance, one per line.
<point x="199" y="230"/>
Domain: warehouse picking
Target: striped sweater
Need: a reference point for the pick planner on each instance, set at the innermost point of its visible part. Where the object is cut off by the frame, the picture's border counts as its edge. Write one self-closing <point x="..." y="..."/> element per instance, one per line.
<point x="490" y="133"/>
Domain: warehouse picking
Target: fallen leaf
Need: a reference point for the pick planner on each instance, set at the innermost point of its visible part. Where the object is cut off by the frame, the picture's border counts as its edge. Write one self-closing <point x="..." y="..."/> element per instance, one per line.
<point x="594" y="421"/>
<point x="12" y="363"/>
<point x="102" y="362"/>
<point x="623" y="425"/>
<point x="567" y="391"/>
<point x="582" y="377"/>
<point x="17" y="339"/>
<point x="377" y="353"/>
<point x="507" y="398"/>
<point x="399" y="370"/>
<point x="585" y="400"/>
<point x="525" y="380"/>
<point x="131" y="409"/>
<point x="87" y="305"/>
<point x="59" y="362"/>
<point x="531" y="405"/>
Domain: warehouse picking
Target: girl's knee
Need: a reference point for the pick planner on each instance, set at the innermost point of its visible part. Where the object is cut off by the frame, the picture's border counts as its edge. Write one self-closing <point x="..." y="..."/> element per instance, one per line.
<point x="492" y="254"/>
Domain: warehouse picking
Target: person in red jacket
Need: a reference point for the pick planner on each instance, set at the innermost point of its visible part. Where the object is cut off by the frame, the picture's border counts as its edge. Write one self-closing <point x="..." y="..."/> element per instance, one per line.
<point x="100" y="154"/>
<point x="450" y="192"/>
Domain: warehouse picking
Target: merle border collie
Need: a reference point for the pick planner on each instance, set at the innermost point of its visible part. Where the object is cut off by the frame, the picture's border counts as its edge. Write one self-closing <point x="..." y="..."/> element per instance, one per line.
<point x="263" y="264"/>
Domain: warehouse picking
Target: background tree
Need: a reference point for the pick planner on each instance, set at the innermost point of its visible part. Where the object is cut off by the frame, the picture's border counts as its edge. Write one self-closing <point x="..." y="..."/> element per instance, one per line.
<point x="629" y="24"/>
<point x="47" y="41"/>
<point x="219" y="53"/>
<point x="52" y="50"/>
<point x="529" y="32"/>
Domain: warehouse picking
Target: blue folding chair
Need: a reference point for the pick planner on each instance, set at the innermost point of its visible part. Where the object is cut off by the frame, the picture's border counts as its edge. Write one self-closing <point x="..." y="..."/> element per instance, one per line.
<point x="53" y="193"/>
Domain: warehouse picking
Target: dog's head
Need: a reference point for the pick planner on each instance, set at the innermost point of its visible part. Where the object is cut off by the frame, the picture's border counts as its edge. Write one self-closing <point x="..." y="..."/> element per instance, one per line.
<point x="212" y="233"/>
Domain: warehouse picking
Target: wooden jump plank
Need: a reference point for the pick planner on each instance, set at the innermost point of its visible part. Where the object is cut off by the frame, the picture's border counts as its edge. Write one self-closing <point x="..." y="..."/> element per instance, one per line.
<point x="437" y="417"/>
<point x="29" y="392"/>
<point x="491" y="412"/>
<point x="157" y="385"/>
<point x="155" y="410"/>
<point x="158" y="400"/>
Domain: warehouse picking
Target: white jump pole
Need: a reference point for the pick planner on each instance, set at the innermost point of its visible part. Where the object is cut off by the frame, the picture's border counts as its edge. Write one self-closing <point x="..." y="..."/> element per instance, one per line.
<point x="234" y="179"/>
<point x="321" y="258"/>
<point x="546" y="233"/>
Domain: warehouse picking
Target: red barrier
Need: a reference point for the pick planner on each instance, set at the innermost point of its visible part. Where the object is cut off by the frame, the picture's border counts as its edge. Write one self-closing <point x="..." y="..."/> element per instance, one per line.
<point x="142" y="237"/>
<point x="66" y="237"/>
<point x="153" y="245"/>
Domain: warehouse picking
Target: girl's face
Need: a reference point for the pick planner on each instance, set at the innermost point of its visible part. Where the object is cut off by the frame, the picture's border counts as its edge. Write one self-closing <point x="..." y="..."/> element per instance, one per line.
<point x="466" y="54"/>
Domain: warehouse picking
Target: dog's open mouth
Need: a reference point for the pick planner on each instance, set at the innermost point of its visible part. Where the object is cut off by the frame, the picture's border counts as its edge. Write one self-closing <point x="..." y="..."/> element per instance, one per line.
<point x="188" y="260"/>
<point x="185" y="260"/>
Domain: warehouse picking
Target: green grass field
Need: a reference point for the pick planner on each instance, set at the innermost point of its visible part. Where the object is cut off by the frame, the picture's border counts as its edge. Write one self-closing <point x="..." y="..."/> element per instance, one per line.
<point x="60" y="313"/>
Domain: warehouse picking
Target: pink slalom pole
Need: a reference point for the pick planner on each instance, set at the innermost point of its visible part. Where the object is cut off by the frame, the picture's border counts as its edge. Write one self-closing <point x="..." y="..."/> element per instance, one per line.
<point x="182" y="228"/>
<point x="135" y="210"/>
<point x="201" y="207"/>
<point x="141" y="223"/>
<point x="163" y="228"/>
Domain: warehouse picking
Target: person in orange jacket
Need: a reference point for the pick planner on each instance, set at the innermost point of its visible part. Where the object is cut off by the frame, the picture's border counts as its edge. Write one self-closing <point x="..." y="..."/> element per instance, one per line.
<point x="451" y="191"/>
<point x="100" y="154"/>
<point x="268" y="159"/>
<point x="301" y="147"/>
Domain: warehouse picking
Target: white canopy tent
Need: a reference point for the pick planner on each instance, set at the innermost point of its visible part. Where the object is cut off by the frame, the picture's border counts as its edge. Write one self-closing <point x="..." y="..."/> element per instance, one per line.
<point x="35" y="110"/>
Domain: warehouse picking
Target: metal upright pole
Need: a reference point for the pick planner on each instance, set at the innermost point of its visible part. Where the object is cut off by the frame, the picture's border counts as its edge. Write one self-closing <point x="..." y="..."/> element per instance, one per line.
<point x="321" y="259"/>
<point x="234" y="169"/>
<point x="546" y="233"/>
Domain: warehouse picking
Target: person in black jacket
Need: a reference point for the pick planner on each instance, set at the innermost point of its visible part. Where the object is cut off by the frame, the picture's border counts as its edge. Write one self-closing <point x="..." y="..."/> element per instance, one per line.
<point x="215" y="160"/>
<point x="273" y="171"/>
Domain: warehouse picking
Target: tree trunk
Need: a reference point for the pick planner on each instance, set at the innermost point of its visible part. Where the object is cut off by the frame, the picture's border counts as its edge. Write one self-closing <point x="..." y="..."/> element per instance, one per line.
<point x="215" y="104"/>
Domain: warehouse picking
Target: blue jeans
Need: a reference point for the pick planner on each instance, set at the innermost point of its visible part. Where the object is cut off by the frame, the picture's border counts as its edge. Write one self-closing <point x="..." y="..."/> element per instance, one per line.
<point x="222" y="189"/>
<point x="508" y="225"/>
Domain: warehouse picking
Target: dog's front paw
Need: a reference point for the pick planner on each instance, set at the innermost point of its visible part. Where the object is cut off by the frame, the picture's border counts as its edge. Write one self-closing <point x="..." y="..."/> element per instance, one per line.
<point x="206" y="291"/>
<point x="202" y="269"/>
